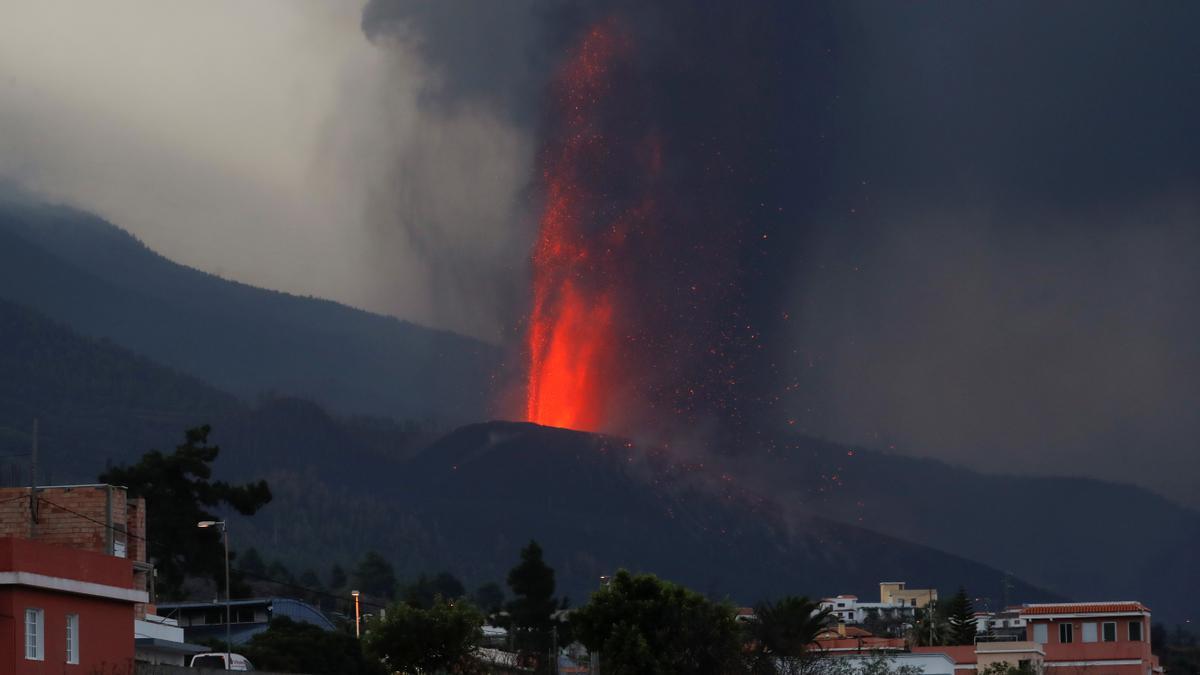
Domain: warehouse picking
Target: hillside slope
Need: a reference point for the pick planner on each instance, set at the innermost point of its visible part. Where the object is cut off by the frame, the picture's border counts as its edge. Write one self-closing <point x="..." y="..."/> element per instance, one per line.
<point x="98" y="403"/>
<point x="1088" y="539"/>
<point x="94" y="277"/>
<point x="596" y="504"/>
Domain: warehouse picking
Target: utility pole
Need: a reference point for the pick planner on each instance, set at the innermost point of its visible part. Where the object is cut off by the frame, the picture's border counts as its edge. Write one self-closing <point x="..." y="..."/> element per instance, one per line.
<point x="33" y="500"/>
<point x="225" y="533"/>
<point x="929" y="613"/>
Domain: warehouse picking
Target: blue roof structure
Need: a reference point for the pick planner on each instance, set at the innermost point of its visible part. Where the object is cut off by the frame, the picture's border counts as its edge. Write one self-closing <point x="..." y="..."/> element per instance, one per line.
<point x="241" y="632"/>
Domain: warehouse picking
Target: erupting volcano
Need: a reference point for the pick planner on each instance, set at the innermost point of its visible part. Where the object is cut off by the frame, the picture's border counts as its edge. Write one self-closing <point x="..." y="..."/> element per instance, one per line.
<point x="573" y="326"/>
<point x="671" y="183"/>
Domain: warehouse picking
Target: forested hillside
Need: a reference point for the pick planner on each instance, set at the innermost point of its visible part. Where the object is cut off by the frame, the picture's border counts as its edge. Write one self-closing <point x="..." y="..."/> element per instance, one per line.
<point x="1060" y="522"/>
<point x="96" y="278"/>
<point x="98" y="403"/>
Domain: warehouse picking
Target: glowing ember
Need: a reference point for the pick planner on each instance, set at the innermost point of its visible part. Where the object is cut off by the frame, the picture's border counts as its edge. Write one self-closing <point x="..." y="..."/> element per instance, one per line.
<point x="572" y="326"/>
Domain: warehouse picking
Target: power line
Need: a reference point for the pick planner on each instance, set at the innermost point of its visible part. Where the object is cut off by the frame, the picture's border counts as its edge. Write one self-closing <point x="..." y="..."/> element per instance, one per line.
<point x="261" y="577"/>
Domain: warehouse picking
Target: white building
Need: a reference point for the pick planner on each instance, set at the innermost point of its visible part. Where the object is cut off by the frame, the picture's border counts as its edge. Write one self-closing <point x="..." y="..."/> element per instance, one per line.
<point x="159" y="640"/>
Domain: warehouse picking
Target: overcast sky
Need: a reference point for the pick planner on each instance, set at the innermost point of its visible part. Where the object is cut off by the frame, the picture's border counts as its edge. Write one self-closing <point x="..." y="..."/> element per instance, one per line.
<point x="1003" y="275"/>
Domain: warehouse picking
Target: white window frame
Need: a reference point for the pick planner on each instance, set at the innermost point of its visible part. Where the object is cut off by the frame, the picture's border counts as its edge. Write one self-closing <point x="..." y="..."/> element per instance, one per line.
<point x="1066" y="630"/>
<point x="1090" y="631"/>
<point x="1041" y="633"/>
<point x="1104" y="631"/>
<point x="35" y="639"/>
<point x="1141" y="628"/>
<point x="73" y="639"/>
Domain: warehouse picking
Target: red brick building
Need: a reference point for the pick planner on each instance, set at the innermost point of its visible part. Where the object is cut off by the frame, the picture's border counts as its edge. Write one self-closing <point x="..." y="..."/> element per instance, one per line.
<point x="97" y="518"/>
<point x="64" y="610"/>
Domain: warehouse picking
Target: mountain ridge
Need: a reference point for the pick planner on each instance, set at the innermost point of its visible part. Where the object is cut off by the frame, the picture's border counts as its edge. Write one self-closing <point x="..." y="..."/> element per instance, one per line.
<point x="103" y="282"/>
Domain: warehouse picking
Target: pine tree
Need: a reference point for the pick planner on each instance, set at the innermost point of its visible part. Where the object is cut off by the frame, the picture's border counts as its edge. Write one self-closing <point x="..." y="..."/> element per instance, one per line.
<point x="375" y="576"/>
<point x="532" y="584"/>
<point x="961" y="619"/>
<point x="337" y="577"/>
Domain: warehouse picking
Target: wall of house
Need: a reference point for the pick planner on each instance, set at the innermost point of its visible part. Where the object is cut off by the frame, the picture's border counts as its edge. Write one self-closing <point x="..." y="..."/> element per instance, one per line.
<point x="1121" y="657"/>
<point x="105" y="638"/>
<point x="1012" y="653"/>
<point x="897" y="593"/>
<point x="79" y="517"/>
<point x="52" y="560"/>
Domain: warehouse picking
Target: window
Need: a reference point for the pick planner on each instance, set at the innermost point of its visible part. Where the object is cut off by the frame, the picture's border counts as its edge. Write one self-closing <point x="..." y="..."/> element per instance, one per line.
<point x="35" y="634"/>
<point x="1089" y="632"/>
<point x="72" y="638"/>
<point x="1135" y="631"/>
<point x="1066" y="633"/>
<point x="1041" y="633"/>
<point x="1109" y="631"/>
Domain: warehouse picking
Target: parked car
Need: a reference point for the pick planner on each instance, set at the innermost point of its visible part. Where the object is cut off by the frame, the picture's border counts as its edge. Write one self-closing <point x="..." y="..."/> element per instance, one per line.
<point x="216" y="661"/>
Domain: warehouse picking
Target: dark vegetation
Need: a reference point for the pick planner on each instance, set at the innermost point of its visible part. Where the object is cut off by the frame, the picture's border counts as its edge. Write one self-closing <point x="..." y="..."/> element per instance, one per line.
<point x="179" y="487"/>
<point x="1178" y="648"/>
<point x="640" y="624"/>
<point x="292" y="647"/>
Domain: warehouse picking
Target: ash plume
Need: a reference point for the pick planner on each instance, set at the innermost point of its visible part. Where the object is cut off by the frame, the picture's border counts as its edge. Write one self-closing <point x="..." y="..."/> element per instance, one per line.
<point x="828" y="190"/>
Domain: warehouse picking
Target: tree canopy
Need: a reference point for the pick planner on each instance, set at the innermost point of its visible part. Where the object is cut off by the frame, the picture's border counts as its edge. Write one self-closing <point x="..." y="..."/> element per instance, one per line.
<point x="178" y="490"/>
<point x="289" y="646"/>
<point x="412" y="639"/>
<point x="426" y="590"/>
<point x="489" y="597"/>
<point x="641" y="624"/>
<point x="375" y="576"/>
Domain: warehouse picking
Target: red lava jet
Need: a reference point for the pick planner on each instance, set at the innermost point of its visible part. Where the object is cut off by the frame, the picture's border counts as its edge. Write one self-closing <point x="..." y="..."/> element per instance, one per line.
<point x="573" y="334"/>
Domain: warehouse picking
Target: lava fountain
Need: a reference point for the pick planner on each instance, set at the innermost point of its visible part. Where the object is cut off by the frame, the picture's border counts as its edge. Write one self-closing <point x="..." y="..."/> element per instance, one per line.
<point x="671" y="173"/>
<point x="573" y="333"/>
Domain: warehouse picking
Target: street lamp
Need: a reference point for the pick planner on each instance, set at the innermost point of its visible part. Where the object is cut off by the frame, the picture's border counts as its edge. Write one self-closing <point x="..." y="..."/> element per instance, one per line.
<point x="357" y="616"/>
<point x="225" y="532"/>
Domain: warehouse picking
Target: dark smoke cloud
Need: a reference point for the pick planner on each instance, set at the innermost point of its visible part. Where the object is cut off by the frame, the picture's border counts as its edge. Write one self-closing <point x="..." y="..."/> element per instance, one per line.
<point x="1008" y="279"/>
<point x="961" y="228"/>
<point x="492" y="53"/>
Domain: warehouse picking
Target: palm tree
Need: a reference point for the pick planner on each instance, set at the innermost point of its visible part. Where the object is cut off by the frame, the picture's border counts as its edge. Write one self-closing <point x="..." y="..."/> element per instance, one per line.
<point x="782" y="634"/>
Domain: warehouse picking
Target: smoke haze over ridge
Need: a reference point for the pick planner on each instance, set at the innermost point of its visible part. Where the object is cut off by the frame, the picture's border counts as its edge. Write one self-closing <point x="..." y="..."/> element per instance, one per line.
<point x="991" y="260"/>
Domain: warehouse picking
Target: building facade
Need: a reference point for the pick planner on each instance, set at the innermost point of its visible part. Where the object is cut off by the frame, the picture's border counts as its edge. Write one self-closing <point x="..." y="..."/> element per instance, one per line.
<point x="1086" y="638"/>
<point x="897" y="603"/>
<point x="1112" y="638"/>
<point x="893" y="593"/>
<point x="103" y="520"/>
<point x="97" y="518"/>
<point x="64" y="610"/>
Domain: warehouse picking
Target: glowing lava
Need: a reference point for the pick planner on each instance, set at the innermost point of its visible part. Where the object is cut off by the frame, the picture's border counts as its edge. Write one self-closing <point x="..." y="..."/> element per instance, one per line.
<point x="572" y="334"/>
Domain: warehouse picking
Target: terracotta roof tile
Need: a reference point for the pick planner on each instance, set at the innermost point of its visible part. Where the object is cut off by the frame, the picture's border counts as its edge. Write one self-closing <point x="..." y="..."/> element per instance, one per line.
<point x="1084" y="608"/>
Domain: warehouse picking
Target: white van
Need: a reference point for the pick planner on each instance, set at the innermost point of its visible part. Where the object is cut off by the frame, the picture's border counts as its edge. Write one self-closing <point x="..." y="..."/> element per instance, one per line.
<point x="216" y="661"/>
